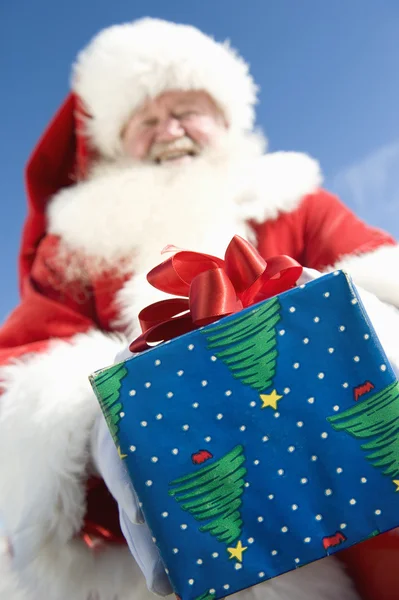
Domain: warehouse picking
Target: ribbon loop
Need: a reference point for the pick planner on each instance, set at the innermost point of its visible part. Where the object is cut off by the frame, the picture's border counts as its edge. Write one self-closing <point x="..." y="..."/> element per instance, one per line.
<point x="213" y="288"/>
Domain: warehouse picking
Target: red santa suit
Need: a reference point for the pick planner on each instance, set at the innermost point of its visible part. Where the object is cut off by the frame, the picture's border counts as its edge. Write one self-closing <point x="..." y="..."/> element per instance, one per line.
<point x="95" y="225"/>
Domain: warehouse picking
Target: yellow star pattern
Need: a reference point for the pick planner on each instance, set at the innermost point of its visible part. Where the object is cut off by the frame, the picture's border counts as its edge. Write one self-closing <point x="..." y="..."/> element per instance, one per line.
<point x="270" y="399"/>
<point x="396" y="482"/>
<point x="237" y="551"/>
<point x="121" y="456"/>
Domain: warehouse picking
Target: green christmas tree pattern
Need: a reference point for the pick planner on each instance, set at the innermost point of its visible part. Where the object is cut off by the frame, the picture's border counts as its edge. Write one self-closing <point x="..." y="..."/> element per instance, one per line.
<point x="248" y="345"/>
<point x="107" y="385"/>
<point x="375" y="419"/>
<point x="206" y="596"/>
<point x="214" y="494"/>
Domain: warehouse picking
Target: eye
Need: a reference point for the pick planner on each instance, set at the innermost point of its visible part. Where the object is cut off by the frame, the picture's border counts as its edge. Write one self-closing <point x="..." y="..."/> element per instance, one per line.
<point x="185" y="114"/>
<point x="150" y="122"/>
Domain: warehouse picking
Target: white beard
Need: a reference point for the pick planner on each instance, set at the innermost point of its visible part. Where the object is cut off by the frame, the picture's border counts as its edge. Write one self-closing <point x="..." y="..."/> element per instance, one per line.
<point x="131" y="211"/>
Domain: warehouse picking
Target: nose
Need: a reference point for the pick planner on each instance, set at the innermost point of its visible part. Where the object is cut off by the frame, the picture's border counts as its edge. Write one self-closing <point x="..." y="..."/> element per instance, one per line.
<point x="170" y="129"/>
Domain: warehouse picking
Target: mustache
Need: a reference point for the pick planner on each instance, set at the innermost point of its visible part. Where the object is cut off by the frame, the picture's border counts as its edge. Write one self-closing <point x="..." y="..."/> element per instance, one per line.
<point x="164" y="150"/>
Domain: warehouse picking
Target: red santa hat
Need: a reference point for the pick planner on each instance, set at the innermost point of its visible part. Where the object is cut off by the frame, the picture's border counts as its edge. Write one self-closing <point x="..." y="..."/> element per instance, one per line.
<point x="120" y="68"/>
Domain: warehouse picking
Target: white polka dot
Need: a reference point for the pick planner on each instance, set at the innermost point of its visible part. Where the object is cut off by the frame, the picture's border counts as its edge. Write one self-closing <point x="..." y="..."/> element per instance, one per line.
<point x="154" y="459"/>
<point x="204" y="383"/>
<point x="183" y="526"/>
<point x="294" y="507"/>
<point x="336" y="272"/>
<point x="326" y="294"/>
<point x="159" y="416"/>
<point x="213" y="358"/>
<point x="175" y="550"/>
<point x="291" y="449"/>
<point x="132" y="448"/>
<point x="284" y="529"/>
<point x="180" y="373"/>
<point x="297" y="560"/>
<point x="212" y="591"/>
<point x="345" y="384"/>
<point x="352" y="501"/>
<point x="287" y="390"/>
<point x="328" y="492"/>
<point x="324" y="435"/>
<point x="383" y="367"/>
<point x="147" y="384"/>
<point x="242" y="428"/>
<point x="195" y="405"/>
<point x="169" y="395"/>
<point x="304" y="480"/>
<point x="208" y="438"/>
<point x="132" y="393"/>
<point x="166" y="571"/>
<point x="260" y="519"/>
<point x="186" y="427"/>
<point x="276" y="415"/>
<point x="219" y="416"/>
<point x="331" y="350"/>
<point x="366" y="336"/>
<point x="246" y="484"/>
<point x="274" y="552"/>
<point x="377" y="512"/>
<point x="299" y="424"/>
<point x="296" y="365"/>
<point x="215" y="555"/>
<point x="265" y="438"/>
<point x="165" y="514"/>
<point x="250" y="540"/>
<point x="316" y="319"/>
<point x="340" y="470"/>
<point x="141" y="504"/>
<point x="199" y="561"/>
<point x="318" y="517"/>
<point x="175" y="451"/>
<point x="228" y="393"/>
<point x="261" y="574"/>
<point x="356" y="358"/>
<point x="190" y="346"/>
<point x="320" y="375"/>
<point x="148" y="483"/>
<point x="122" y="414"/>
<point x="282" y="331"/>
<point x="311" y="400"/>
<point x="253" y="404"/>
<point x="336" y="408"/>
<point x="226" y="586"/>
<point x="343" y="526"/>
<point x="313" y="458"/>
<point x="305" y="340"/>
<point x="191" y="581"/>
<point x="292" y="309"/>
<point x="354" y="301"/>
<point x="342" y="327"/>
<point x="144" y="423"/>
<point x="238" y="566"/>
<point x="271" y="496"/>
<point x="157" y="362"/>
<point x="256" y="462"/>
<point x="280" y="471"/>
<point x="363" y="480"/>
<point x="307" y="540"/>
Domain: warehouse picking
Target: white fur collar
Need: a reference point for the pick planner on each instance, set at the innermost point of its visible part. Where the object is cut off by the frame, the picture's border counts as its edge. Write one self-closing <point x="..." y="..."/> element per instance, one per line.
<point x="133" y="212"/>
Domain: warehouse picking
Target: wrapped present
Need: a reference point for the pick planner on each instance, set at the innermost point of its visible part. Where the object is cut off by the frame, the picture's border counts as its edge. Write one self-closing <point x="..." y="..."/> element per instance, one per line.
<point x="260" y="442"/>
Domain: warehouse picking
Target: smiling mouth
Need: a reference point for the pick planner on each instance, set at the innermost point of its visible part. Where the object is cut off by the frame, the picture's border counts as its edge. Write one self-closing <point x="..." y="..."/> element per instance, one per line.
<point x="175" y="155"/>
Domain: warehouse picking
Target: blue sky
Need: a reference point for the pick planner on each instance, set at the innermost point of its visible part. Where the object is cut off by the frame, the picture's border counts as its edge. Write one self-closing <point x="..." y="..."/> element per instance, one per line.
<point x="328" y="73"/>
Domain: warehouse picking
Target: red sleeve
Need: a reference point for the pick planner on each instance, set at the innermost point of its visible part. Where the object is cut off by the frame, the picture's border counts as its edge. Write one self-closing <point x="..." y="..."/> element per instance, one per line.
<point x="49" y="308"/>
<point x="332" y="231"/>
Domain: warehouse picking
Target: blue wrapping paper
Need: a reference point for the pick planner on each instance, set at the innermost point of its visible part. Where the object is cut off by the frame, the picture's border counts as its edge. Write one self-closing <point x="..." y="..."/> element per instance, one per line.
<point x="262" y="442"/>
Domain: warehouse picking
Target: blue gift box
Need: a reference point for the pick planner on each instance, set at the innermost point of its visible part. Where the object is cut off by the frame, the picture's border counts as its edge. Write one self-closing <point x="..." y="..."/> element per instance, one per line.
<point x="262" y="442"/>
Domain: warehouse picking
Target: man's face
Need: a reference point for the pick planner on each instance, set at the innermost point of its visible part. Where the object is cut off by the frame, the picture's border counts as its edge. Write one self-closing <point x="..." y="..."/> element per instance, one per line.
<point x="174" y="127"/>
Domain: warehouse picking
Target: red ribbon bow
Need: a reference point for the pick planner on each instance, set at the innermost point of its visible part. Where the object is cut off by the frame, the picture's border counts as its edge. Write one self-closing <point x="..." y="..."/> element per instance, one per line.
<point x="213" y="288"/>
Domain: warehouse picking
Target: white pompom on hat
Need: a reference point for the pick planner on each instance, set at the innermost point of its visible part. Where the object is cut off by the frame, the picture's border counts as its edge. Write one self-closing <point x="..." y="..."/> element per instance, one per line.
<point x="126" y="64"/>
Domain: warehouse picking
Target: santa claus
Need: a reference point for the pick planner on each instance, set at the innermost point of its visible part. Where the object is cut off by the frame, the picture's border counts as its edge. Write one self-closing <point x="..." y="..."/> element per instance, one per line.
<point x="155" y="145"/>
